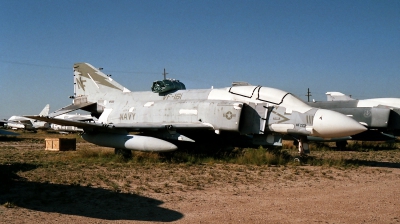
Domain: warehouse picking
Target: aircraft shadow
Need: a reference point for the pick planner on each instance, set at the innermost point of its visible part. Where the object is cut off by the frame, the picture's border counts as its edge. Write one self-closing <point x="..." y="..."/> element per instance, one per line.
<point x="7" y="138"/>
<point x="79" y="200"/>
<point x="372" y="163"/>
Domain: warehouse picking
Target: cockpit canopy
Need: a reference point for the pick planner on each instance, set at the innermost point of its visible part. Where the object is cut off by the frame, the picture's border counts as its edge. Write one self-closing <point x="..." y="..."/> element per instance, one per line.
<point x="268" y="95"/>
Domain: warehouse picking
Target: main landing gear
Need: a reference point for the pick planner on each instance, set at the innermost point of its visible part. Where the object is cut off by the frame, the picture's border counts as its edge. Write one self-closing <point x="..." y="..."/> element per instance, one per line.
<point x="125" y="153"/>
<point x="341" y="145"/>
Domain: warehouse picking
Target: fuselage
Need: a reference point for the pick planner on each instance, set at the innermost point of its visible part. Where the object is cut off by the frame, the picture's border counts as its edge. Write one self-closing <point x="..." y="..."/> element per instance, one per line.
<point x="243" y="109"/>
<point x="169" y="113"/>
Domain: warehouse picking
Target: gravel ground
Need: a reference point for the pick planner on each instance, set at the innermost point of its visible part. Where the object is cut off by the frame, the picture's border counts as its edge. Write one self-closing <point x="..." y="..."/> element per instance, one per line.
<point x="210" y="193"/>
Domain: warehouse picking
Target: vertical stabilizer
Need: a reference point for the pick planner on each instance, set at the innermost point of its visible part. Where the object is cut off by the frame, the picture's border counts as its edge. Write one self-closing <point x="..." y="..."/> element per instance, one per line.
<point x="45" y="111"/>
<point x="89" y="80"/>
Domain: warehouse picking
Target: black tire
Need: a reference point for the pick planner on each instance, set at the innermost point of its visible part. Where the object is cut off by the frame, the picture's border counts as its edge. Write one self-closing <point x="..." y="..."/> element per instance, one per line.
<point x="341" y="145"/>
<point x="126" y="153"/>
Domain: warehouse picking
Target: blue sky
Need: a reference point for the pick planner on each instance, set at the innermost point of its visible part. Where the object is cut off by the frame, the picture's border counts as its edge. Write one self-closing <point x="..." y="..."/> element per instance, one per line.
<point x="347" y="46"/>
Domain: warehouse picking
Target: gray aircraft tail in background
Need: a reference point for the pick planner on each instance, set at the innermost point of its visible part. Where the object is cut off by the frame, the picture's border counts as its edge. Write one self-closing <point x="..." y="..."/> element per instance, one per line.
<point x="380" y="115"/>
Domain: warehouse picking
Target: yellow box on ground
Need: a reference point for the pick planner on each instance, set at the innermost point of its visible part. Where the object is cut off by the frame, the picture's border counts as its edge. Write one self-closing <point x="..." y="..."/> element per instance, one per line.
<point x="60" y="144"/>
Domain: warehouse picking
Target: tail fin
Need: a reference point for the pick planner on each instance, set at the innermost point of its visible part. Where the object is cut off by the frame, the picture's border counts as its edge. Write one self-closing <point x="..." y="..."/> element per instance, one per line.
<point x="45" y="111"/>
<point x="89" y="80"/>
<point x="337" y="96"/>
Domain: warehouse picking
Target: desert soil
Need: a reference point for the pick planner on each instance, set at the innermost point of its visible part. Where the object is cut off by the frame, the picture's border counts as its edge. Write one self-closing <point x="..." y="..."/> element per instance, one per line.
<point x="211" y="193"/>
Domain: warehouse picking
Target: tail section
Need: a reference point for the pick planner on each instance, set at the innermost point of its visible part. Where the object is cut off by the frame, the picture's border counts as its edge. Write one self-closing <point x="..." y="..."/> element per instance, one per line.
<point x="89" y="80"/>
<point x="337" y="96"/>
<point x="91" y="86"/>
<point x="45" y="111"/>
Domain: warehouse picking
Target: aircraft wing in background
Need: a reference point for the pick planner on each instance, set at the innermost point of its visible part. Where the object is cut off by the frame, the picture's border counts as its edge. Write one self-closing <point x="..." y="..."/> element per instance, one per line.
<point x="3" y="132"/>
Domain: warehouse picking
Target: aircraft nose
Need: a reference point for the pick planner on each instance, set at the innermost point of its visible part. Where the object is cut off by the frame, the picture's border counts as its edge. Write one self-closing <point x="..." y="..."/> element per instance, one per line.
<point x="331" y="124"/>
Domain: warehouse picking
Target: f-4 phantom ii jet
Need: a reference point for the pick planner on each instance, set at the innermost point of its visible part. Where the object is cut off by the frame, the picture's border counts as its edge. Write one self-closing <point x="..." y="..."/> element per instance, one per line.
<point x="380" y="115"/>
<point x="170" y="114"/>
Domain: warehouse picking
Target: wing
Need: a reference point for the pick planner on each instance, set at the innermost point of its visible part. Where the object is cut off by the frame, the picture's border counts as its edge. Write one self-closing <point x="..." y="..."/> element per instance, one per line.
<point x="77" y="117"/>
<point x="66" y="122"/>
<point x="126" y="126"/>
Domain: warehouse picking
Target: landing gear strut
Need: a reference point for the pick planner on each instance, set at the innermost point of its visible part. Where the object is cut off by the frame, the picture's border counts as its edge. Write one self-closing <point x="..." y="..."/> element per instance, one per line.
<point x="303" y="147"/>
<point x="304" y="150"/>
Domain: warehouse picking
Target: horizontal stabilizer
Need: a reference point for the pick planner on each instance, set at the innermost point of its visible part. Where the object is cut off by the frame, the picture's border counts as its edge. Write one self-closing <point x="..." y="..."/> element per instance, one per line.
<point x="69" y="108"/>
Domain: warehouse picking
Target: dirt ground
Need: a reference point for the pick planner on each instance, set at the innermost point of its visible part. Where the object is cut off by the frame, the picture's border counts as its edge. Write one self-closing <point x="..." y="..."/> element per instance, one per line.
<point x="237" y="194"/>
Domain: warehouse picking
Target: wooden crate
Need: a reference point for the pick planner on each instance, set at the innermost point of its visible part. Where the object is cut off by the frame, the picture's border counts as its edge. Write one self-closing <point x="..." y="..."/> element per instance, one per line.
<point x="60" y="144"/>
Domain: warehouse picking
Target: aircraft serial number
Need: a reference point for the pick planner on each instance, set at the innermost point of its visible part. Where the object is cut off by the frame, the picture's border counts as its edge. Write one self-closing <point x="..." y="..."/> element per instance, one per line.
<point x="176" y="96"/>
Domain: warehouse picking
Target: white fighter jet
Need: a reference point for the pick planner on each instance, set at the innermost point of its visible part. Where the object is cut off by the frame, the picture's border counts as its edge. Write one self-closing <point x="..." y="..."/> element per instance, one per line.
<point x="170" y="114"/>
<point x="20" y="122"/>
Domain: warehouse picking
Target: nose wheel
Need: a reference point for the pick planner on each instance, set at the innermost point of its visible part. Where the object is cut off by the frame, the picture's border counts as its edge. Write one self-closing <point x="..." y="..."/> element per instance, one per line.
<point x="303" y="147"/>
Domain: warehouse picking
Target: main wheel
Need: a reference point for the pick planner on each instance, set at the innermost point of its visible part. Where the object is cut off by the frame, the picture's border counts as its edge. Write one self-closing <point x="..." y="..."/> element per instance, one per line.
<point x="126" y="153"/>
<point x="341" y="145"/>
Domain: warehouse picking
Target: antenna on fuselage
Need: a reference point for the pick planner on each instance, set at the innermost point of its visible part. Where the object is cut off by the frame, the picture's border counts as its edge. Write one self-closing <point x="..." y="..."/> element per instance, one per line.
<point x="165" y="74"/>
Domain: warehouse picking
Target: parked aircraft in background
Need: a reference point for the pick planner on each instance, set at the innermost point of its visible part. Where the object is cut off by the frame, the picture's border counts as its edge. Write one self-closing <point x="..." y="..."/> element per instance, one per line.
<point x="380" y="115"/>
<point x="20" y="122"/>
<point x="170" y="114"/>
<point x="3" y="123"/>
<point x="373" y="102"/>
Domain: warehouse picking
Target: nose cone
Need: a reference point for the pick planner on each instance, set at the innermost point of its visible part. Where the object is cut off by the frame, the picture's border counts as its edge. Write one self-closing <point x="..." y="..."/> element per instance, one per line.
<point x="331" y="124"/>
